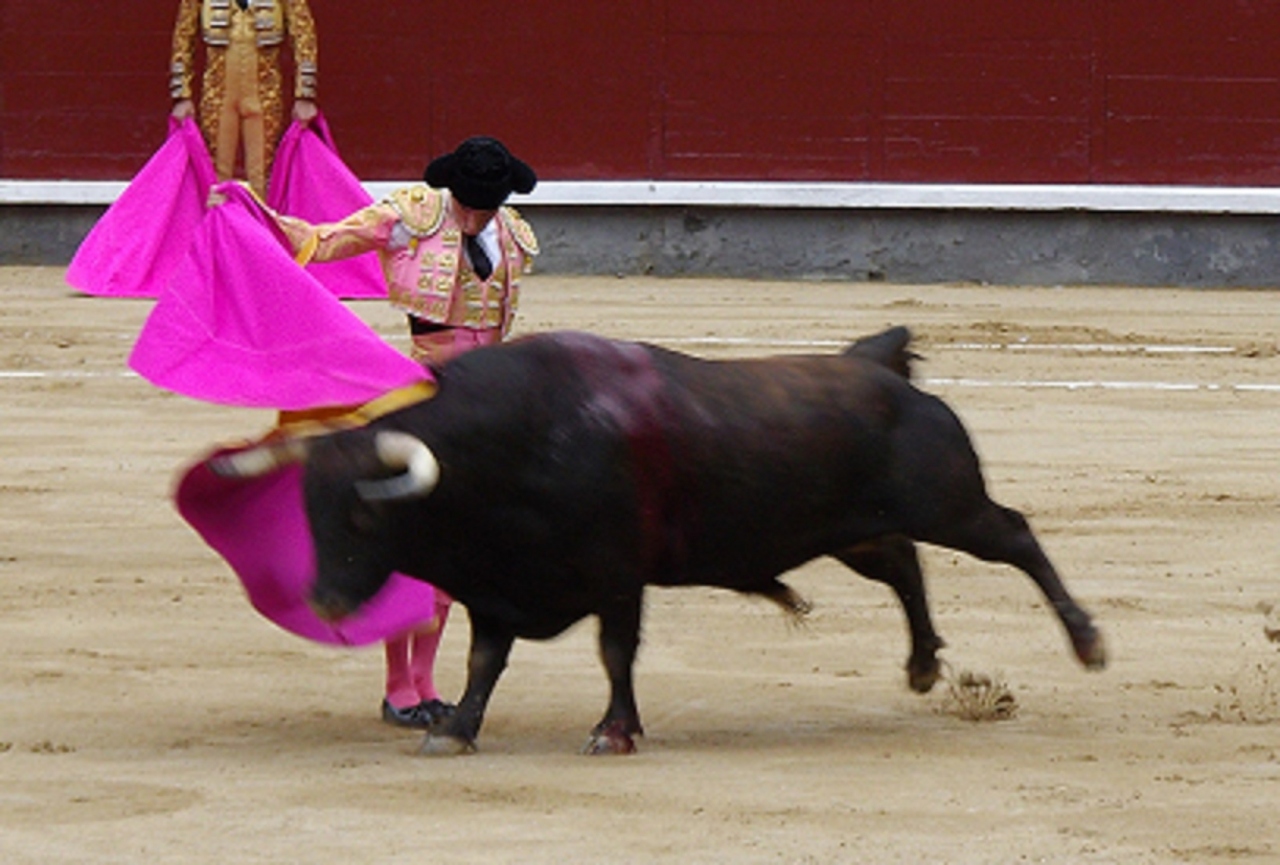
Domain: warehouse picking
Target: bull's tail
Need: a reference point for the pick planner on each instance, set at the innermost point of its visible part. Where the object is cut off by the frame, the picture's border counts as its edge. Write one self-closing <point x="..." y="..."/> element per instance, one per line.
<point x="889" y="348"/>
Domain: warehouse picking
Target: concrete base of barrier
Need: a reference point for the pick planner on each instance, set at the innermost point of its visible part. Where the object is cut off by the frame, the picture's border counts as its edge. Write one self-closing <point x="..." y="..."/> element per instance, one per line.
<point x="1033" y="247"/>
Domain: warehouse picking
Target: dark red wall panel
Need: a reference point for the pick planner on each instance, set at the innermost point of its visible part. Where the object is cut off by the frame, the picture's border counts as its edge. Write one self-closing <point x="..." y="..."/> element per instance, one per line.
<point x="571" y="85"/>
<point x="769" y="90"/>
<point x="76" y="81"/>
<point x="378" y="84"/>
<point x="776" y="106"/>
<point x="782" y="17"/>
<point x="1064" y="91"/>
<point x="959" y="109"/>
<point x="1192" y="92"/>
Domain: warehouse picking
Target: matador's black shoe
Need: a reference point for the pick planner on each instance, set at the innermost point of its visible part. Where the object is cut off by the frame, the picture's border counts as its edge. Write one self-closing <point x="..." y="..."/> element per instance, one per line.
<point x="419" y="717"/>
<point x="411" y="717"/>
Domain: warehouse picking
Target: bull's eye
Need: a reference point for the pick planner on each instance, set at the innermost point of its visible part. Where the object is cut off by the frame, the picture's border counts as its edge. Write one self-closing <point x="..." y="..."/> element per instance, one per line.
<point x="364" y="520"/>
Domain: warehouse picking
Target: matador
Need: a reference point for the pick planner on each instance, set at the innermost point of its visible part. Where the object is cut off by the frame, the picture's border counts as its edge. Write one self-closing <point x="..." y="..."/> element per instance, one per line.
<point x="242" y="92"/>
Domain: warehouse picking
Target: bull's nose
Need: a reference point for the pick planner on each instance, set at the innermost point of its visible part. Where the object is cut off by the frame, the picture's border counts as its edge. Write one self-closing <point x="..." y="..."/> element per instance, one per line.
<point x="330" y="608"/>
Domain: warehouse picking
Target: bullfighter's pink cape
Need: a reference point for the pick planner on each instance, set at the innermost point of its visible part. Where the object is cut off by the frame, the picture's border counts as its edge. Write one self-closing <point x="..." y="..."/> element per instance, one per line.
<point x="141" y="238"/>
<point x="242" y="324"/>
<point x="309" y="180"/>
<point x="133" y="250"/>
<point x="260" y="528"/>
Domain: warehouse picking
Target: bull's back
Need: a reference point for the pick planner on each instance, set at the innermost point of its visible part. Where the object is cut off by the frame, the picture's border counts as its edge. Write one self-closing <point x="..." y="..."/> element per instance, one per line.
<point x="777" y="459"/>
<point x="717" y="472"/>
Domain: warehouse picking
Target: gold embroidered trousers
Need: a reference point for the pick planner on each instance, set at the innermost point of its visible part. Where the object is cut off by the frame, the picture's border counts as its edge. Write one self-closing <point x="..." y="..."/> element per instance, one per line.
<point x="241" y="101"/>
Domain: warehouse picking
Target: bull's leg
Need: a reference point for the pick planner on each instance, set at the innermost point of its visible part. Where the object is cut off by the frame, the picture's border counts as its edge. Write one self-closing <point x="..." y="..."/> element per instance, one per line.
<point x="1000" y="534"/>
<point x="490" y="647"/>
<point x="619" y="640"/>
<point x="894" y="562"/>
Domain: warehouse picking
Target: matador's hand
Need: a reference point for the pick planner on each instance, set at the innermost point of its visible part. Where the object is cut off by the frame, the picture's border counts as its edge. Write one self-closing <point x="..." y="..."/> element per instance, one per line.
<point x="182" y="109"/>
<point x="304" y="111"/>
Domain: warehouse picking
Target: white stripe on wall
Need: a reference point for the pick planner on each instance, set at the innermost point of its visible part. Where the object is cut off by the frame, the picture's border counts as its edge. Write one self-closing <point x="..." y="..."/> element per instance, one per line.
<point x="853" y="196"/>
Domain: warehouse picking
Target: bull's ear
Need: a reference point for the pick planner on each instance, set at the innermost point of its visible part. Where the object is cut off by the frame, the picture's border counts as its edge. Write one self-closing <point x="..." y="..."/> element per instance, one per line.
<point x="261" y="460"/>
<point x="399" y="450"/>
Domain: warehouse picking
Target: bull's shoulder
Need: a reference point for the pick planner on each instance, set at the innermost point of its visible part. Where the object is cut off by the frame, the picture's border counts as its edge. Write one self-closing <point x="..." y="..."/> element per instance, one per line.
<point x="889" y="348"/>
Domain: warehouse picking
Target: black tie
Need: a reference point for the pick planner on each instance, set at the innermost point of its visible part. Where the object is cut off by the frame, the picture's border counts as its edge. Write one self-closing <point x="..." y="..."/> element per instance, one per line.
<point x="479" y="260"/>
<point x="243" y="4"/>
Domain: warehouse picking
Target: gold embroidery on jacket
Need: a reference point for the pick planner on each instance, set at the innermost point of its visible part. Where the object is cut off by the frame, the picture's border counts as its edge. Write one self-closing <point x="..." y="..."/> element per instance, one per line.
<point x="446" y="290"/>
<point x="272" y="21"/>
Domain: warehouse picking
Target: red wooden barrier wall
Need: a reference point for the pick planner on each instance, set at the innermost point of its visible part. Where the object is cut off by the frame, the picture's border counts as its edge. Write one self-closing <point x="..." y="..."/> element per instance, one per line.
<point x="1063" y="91"/>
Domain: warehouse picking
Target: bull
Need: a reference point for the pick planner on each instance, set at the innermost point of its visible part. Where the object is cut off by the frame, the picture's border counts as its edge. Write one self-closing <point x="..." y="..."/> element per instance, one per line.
<point x="556" y="476"/>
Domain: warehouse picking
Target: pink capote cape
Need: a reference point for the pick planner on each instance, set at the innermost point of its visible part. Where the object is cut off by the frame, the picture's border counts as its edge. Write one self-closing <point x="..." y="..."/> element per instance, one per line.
<point x="309" y="180"/>
<point x="259" y="526"/>
<point x="133" y="250"/>
<point x="242" y="324"/>
<point x="140" y="240"/>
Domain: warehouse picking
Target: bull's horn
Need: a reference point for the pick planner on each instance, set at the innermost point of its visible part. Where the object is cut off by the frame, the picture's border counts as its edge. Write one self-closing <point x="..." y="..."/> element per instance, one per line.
<point x="260" y="460"/>
<point x="399" y="450"/>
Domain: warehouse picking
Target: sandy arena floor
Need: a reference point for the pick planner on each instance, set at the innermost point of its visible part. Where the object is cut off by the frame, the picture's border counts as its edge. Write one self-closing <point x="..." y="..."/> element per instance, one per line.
<point x="147" y="714"/>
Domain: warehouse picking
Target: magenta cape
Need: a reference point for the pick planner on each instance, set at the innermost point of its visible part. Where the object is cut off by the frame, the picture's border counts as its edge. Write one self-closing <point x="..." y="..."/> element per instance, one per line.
<point x="260" y="528"/>
<point x="309" y="180"/>
<point x="242" y="324"/>
<point x="140" y="240"/>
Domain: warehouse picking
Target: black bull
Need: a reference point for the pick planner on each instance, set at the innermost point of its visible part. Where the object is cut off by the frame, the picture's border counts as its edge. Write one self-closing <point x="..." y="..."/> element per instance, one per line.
<point x="562" y="473"/>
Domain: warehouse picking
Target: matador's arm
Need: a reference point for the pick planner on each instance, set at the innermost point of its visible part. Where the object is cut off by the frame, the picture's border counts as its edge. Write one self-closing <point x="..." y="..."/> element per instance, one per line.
<point x="182" y="56"/>
<point x="305" y="47"/>
<point x="363" y="231"/>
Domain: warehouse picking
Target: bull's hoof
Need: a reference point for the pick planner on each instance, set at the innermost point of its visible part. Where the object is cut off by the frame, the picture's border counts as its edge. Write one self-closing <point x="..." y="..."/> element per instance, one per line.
<point x="922" y="683"/>
<point x="923" y="669"/>
<point x="1091" y="649"/>
<point x="440" y="745"/>
<point x="923" y="674"/>
<point x="612" y="739"/>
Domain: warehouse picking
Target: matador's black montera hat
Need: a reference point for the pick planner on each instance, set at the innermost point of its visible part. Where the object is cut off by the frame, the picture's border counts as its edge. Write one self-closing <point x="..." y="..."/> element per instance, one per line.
<point x="481" y="173"/>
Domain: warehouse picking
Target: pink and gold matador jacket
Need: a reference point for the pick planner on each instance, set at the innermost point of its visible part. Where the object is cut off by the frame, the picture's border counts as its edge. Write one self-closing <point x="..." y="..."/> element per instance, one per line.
<point x="420" y="247"/>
